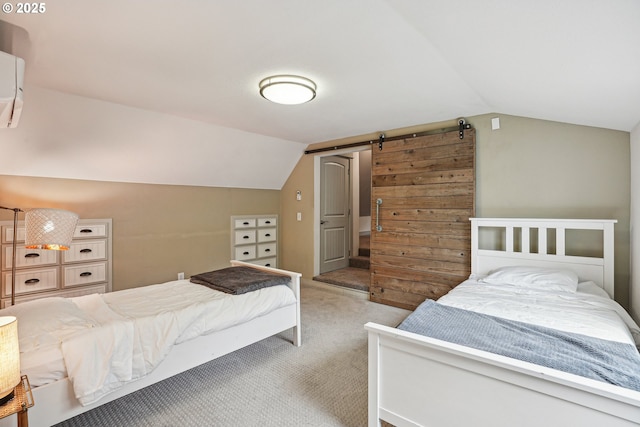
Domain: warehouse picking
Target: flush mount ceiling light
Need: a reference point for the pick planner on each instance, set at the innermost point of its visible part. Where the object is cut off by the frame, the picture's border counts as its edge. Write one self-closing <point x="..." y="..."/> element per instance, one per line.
<point x="287" y="89"/>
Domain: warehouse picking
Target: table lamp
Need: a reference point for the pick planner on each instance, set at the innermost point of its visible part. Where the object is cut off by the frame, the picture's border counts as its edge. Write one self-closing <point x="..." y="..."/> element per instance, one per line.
<point x="9" y="358"/>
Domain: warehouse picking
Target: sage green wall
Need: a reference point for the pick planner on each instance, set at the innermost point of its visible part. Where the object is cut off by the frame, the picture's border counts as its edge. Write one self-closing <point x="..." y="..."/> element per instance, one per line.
<point x="158" y="230"/>
<point x="527" y="168"/>
<point x="536" y="168"/>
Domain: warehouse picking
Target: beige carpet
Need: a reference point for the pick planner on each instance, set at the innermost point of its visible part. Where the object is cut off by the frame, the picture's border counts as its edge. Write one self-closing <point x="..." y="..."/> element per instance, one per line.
<point x="270" y="383"/>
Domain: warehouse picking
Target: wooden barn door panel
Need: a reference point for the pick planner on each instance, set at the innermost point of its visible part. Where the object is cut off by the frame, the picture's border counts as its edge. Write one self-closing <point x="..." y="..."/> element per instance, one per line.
<point x="427" y="188"/>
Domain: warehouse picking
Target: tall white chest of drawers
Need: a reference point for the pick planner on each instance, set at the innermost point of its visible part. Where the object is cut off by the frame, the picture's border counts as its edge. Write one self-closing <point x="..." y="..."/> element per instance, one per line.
<point x="83" y="269"/>
<point x="254" y="239"/>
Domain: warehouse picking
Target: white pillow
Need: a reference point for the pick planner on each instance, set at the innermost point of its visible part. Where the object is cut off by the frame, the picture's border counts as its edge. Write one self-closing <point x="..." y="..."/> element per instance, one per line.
<point x="47" y="321"/>
<point x="534" y="277"/>
<point x="592" y="289"/>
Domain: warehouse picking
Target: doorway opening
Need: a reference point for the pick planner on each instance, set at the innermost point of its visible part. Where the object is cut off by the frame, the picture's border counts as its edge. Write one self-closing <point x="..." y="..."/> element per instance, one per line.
<point x="348" y="268"/>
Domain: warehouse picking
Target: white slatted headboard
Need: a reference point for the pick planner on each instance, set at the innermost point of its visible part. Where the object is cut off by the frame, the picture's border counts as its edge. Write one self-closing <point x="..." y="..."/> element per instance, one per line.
<point x="516" y="247"/>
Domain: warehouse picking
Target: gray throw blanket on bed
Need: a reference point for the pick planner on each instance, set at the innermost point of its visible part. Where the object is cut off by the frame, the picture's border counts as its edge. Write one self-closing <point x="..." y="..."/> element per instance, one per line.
<point x="608" y="361"/>
<point x="239" y="280"/>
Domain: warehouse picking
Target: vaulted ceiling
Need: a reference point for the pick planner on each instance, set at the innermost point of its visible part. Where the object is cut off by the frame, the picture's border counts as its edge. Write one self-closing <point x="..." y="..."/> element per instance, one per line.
<point x="378" y="64"/>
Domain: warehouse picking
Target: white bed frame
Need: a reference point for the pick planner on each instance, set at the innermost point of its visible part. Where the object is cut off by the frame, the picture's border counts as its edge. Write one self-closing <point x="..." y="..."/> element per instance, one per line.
<point x="420" y="381"/>
<point x="56" y="402"/>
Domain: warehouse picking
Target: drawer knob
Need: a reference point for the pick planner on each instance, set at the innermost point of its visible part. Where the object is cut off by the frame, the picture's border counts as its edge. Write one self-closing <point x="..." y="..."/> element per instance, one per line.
<point x="85" y="274"/>
<point x="267" y="250"/>
<point x="86" y="230"/>
<point x="245" y="237"/>
<point x="32" y="255"/>
<point x="245" y="223"/>
<point x="245" y="253"/>
<point x="267" y="234"/>
<point x="31" y="281"/>
<point x="85" y="251"/>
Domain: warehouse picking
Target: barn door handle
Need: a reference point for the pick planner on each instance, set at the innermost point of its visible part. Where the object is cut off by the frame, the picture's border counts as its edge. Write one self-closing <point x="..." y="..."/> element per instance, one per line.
<point x="378" y="226"/>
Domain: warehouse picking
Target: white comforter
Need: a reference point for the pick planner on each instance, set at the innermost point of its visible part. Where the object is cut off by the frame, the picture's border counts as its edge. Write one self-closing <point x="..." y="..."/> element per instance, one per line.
<point x="107" y="340"/>
<point x="589" y="311"/>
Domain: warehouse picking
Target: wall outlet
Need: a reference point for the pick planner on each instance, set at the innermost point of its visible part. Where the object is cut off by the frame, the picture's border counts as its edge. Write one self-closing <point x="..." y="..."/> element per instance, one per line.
<point x="180" y="276"/>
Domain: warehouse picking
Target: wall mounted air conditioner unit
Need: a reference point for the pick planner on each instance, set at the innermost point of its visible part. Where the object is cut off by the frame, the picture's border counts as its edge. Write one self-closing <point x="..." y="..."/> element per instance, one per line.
<point x="11" y="80"/>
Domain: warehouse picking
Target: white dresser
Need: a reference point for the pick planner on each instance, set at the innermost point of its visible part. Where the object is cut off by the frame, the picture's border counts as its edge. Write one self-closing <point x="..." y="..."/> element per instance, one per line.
<point x="83" y="269"/>
<point x="254" y="239"/>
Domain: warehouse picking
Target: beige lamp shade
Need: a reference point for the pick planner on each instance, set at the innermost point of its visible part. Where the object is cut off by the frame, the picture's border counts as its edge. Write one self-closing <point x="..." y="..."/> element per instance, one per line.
<point x="9" y="355"/>
<point x="49" y="228"/>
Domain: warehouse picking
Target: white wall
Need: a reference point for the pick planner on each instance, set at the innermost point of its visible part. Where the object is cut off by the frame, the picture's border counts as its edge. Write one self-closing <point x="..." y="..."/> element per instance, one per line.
<point x="67" y="136"/>
<point x="634" y="291"/>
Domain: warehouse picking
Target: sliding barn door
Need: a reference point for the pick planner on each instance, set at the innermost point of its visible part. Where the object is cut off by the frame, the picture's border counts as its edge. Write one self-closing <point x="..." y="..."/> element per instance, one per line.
<point x="423" y="194"/>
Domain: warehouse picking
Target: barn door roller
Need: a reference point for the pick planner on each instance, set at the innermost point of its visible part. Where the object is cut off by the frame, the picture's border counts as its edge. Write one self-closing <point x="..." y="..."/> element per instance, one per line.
<point x="461" y="127"/>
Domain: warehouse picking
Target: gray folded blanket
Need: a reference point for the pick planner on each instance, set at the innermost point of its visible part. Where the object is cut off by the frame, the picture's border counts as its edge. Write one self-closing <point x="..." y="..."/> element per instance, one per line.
<point x="239" y="280"/>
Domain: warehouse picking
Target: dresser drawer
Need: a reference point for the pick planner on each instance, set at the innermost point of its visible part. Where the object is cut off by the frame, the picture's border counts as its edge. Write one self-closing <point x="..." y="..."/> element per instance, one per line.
<point x="42" y="279"/>
<point x="245" y="253"/>
<point x="244" y="223"/>
<point x="266" y="249"/>
<point x="267" y="235"/>
<point x="76" y="275"/>
<point x="88" y="231"/>
<point x="85" y="251"/>
<point x="7" y="234"/>
<point x="245" y="236"/>
<point x="28" y="257"/>
<point x="267" y="262"/>
<point x="266" y="222"/>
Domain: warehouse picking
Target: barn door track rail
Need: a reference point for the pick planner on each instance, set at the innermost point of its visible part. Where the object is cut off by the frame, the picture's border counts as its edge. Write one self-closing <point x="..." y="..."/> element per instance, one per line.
<point x="461" y="127"/>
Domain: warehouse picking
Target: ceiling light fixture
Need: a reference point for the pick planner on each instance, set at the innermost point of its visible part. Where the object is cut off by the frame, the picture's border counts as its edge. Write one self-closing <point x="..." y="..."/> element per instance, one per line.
<point x="287" y="89"/>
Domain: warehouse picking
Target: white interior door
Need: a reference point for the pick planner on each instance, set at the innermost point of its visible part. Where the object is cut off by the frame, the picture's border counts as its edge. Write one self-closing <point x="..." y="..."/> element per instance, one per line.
<point x="335" y="225"/>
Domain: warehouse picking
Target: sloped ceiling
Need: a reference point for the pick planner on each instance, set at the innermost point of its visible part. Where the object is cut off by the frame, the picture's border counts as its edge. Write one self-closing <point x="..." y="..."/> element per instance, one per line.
<point x="378" y="64"/>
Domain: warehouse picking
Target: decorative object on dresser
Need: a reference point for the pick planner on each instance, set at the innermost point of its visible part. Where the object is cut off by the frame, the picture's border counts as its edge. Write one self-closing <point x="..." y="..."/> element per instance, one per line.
<point x="45" y="229"/>
<point x="84" y="268"/>
<point x="254" y="239"/>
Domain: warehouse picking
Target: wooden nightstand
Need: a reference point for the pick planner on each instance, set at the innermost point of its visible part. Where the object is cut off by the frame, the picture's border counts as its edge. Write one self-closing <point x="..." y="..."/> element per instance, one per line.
<point x="22" y="400"/>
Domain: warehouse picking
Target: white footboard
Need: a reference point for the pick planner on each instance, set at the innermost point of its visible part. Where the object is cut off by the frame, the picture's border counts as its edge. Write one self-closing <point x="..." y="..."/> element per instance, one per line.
<point x="419" y="381"/>
<point x="295" y="287"/>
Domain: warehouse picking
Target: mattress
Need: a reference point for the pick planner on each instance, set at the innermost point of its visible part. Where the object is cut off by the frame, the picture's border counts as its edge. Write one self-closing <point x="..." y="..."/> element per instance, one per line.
<point x="89" y="338"/>
<point x="588" y="311"/>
